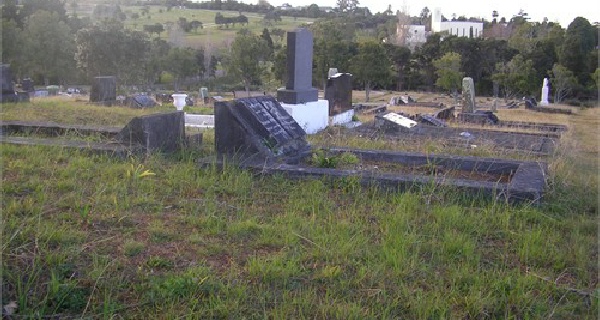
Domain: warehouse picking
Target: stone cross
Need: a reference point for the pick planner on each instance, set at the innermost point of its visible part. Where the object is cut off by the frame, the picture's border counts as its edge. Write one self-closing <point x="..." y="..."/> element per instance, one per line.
<point x="298" y="87"/>
<point x="468" y="95"/>
<point x="544" y="101"/>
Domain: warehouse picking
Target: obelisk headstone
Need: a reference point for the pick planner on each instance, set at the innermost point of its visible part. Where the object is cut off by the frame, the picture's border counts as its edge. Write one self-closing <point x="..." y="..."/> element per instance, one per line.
<point x="496" y="89"/>
<point x="544" y="101"/>
<point x="299" y="88"/>
<point x="468" y="95"/>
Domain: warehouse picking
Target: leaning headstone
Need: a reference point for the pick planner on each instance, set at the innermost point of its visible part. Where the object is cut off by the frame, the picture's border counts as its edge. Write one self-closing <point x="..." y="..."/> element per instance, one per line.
<point x="299" y="88"/>
<point x="544" y="102"/>
<point x="257" y="128"/>
<point x="140" y="101"/>
<point x="104" y="89"/>
<point x="156" y="132"/>
<point x="445" y="114"/>
<point x="468" y="94"/>
<point x="338" y="92"/>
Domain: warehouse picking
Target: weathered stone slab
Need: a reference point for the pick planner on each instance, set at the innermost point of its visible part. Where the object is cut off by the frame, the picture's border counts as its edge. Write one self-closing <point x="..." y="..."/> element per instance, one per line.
<point x="104" y="89"/>
<point x="338" y="92"/>
<point x="468" y="95"/>
<point x="394" y="122"/>
<point x="258" y="127"/>
<point x="156" y="132"/>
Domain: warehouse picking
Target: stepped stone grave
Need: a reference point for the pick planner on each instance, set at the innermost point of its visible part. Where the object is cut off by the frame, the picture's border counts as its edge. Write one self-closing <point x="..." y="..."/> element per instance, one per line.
<point x="338" y="92"/>
<point x="104" y="89"/>
<point x="257" y="128"/>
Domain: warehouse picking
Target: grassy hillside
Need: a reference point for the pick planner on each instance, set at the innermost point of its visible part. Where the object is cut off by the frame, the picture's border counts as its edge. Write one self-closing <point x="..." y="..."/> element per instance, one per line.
<point x="101" y="238"/>
<point x="211" y="35"/>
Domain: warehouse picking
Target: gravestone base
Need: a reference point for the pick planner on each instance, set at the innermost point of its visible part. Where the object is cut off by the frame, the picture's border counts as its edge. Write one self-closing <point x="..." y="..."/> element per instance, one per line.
<point x="311" y="116"/>
<point x="341" y="118"/>
<point x="297" y="96"/>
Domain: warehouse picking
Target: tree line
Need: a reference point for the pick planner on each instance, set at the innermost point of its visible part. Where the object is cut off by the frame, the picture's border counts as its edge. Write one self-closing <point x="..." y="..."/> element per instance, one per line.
<point x="41" y="41"/>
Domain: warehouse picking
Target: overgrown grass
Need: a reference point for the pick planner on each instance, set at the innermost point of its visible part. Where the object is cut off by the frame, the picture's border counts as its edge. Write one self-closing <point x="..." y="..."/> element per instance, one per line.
<point x="97" y="237"/>
<point x="73" y="112"/>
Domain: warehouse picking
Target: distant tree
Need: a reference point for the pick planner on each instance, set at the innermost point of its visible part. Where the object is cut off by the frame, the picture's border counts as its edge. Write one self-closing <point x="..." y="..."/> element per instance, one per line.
<point x="181" y="62"/>
<point x="157" y="60"/>
<point x="580" y="39"/>
<point x="563" y="82"/>
<point x="29" y="7"/>
<point x="12" y="46"/>
<point x="212" y="66"/>
<point x="195" y="24"/>
<point x="247" y="51"/>
<point x="111" y="49"/>
<point x="515" y="76"/>
<point x="200" y="62"/>
<point x="280" y="33"/>
<point x="280" y="64"/>
<point x="266" y="35"/>
<point x="400" y="58"/>
<point x="154" y="28"/>
<point x="448" y="71"/>
<point x="370" y="66"/>
<point x="424" y="15"/>
<point x="313" y="11"/>
<point x="242" y="19"/>
<point x="48" y="47"/>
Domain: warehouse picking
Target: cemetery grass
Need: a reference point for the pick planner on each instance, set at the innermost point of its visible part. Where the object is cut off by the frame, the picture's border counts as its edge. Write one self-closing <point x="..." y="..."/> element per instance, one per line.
<point x="97" y="237"/>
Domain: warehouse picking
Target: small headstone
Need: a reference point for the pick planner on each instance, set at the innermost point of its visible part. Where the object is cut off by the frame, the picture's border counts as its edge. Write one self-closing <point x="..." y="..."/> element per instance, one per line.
<point x="259" y="127"/>
<point x="27" y="85"/>
<point x="140" y="101"/>
<point x="445" y="114"/>
<point x="544" y="102"/>
<point x="495" y="105"/>
<point x="104" y="89"/>
<point x="204" y="94"/>
<point x="433" y="121"/>
<point x="299" y="88"/>
<point x="468" y="94"/>
<point x="332" y="72"/>
<point x="338" y="92"/>
<point x="156" y="132"/>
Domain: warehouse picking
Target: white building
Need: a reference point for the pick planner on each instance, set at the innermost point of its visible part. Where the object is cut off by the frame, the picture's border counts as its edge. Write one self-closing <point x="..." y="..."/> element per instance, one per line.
<point x="410" y="35"/>
<point x="455" y="28"/>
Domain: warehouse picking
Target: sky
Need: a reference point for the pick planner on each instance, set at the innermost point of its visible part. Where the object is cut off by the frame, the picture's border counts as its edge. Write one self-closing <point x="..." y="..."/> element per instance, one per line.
<point x="562" y="12"/>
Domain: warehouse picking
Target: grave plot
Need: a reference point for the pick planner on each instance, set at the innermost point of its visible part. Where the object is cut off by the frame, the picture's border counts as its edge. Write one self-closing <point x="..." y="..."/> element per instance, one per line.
<point x="156" y="132"/>
<point x="527" y="142"/>
<point x="256" y="134"/>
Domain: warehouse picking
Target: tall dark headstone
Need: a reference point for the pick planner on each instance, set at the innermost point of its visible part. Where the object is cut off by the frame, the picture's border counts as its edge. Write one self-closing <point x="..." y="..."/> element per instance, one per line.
<point x="338" y="92"/>
<point x="257" y="127"/>
<point x="298" y="87"/>
<point x="8" y="93"/>
<point x="104" y="89"/>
